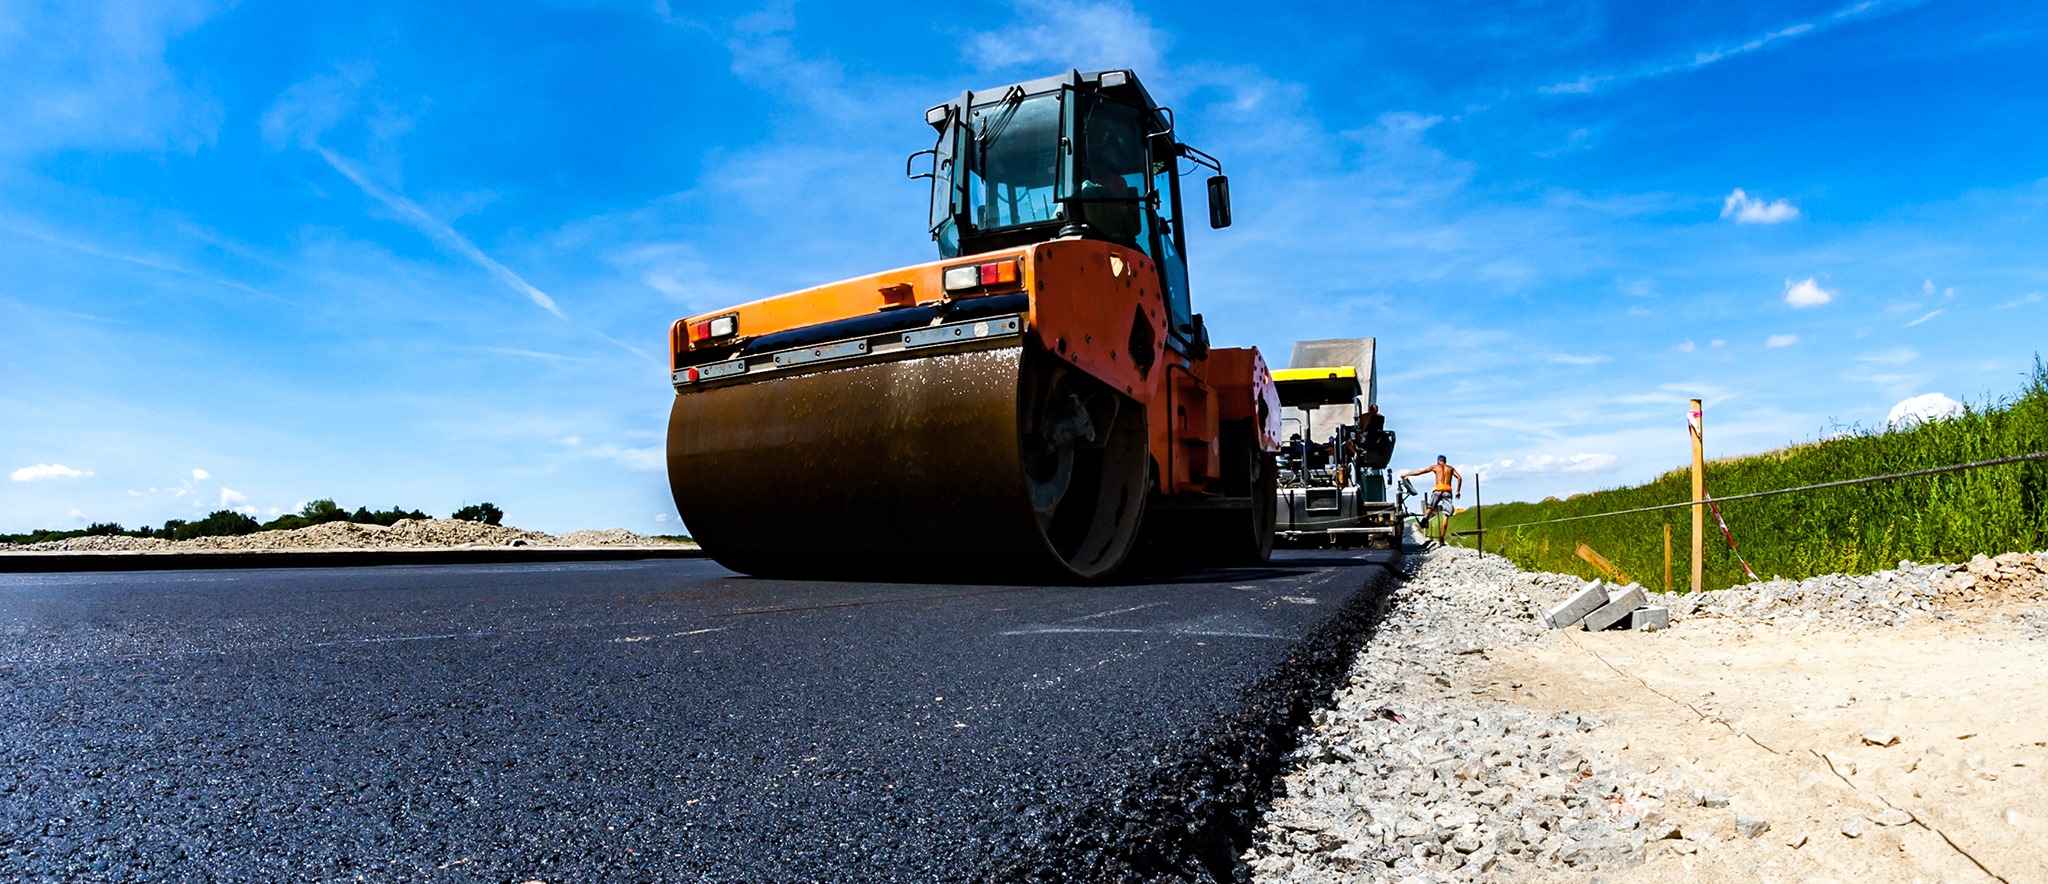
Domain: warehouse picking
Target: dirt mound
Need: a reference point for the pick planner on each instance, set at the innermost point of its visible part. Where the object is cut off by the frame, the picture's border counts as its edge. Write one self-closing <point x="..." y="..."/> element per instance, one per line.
<point x="405" y="534"/>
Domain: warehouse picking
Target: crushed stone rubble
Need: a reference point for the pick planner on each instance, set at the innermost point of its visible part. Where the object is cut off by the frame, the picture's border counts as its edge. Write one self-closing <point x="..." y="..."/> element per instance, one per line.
<point x="405" y="534"/>
<point x="1416" y="776"/>
<point x="1887" y="598"/>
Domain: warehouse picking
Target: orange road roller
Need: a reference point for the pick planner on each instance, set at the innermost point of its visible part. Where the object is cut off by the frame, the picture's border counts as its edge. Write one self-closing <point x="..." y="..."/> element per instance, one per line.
<point x="1036" y="405"/>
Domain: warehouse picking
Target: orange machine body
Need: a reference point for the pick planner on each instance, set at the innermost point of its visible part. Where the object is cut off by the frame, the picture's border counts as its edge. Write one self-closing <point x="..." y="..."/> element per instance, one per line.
<point x="1091" y="304"/>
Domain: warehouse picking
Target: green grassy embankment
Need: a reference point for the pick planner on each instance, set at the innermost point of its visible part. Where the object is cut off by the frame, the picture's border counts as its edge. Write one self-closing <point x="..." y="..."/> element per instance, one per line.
<point x="1859" y="529"/>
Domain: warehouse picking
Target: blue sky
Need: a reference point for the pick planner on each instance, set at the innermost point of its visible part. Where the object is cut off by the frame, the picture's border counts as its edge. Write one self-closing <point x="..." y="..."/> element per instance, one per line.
<point x="401" y="253"/>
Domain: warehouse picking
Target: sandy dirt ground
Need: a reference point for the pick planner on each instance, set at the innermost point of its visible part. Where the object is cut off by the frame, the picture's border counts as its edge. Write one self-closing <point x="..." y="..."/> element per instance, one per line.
<point x="1914" y="753"/>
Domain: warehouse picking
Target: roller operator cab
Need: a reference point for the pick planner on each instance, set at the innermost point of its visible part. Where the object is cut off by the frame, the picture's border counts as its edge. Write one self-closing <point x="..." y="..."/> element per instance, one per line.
<point x="1019" y="409"/>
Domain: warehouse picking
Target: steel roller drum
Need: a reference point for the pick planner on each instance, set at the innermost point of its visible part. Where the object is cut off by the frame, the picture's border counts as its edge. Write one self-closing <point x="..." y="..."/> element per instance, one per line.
<point x="994" y="464"/>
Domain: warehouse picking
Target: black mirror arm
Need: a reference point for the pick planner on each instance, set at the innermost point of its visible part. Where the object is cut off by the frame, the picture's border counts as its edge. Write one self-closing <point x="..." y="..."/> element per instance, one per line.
<point x="1202" y="159"/>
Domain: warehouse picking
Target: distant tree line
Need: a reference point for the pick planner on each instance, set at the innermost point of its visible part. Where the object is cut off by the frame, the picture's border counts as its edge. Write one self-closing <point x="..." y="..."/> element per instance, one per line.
<point x="226" y="523"/>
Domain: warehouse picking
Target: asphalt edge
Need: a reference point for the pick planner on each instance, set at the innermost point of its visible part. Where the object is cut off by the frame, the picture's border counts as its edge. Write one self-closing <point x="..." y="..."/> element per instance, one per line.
<point x="1197" y="813"/>
<point x="64" y="562"/>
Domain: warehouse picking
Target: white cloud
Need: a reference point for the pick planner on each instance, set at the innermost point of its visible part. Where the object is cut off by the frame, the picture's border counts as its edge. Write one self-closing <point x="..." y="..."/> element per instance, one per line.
<point x="78" y="514"/>
<point x="1927" y="288"/>
<point x="1921" y="409"/>
<point x="201" y="475"/>
<point x="2031" y="298"/>
<point x="47" y="471"/>
<point x="1806" y="293"/>
<point x="1717" y="342"/>
<point x="1545" y="464"/>
<point x="1746" y="209"/>
<point x="1688" y="346"/>
<point x="1922" y="319"/>
<point x="231" y="496"/>
<point x="1781" y="340"/>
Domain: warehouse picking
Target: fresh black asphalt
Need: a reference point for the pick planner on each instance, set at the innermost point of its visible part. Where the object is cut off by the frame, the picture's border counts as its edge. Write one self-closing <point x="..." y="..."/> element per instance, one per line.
<point x="654" y="721"/>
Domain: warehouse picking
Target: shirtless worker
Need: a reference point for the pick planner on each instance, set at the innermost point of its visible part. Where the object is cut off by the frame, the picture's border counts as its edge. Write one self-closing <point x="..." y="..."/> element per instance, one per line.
<point x="1440" y="497"/>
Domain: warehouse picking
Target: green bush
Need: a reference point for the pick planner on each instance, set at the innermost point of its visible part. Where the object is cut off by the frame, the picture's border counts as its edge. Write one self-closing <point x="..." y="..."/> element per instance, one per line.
<point x="1858" y="529"/>
<point x="220" y="523"/>
<point x="486" y="512"/>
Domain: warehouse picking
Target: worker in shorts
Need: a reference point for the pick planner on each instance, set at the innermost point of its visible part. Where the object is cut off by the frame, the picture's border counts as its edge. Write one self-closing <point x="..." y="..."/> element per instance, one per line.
<point x="1439" y="500"/>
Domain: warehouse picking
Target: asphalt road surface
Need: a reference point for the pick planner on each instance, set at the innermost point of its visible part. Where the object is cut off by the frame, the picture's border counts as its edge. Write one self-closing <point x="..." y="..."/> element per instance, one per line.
<point x="656" y="721"/>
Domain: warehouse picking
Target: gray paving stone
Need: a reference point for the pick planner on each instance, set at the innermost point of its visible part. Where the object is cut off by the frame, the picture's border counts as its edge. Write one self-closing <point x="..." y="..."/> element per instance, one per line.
<point x="1650" y="617"/>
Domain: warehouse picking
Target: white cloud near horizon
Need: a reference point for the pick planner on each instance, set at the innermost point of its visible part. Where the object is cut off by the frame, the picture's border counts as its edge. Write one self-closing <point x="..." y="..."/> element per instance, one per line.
<point x="1746" y="209"/>
<point x="447" y="236"/>
<point x="1545" y="464"/>
<point x="1921" y="409"/>
<point x="1781" y="340"/>
<point x="43" y="471"/>
<point x="1806" y="293"/>
<point x="200" y="475"/>
<point x="230" y="496"/>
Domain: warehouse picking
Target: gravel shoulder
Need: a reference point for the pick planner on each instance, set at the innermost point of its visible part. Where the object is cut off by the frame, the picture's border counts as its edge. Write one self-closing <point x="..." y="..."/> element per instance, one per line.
<point x="1889" y="727"/>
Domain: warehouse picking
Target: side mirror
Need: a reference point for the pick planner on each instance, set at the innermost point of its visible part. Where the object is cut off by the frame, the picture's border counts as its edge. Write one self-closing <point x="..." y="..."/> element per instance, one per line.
<point x="1219" y="201"/>
<point x="910" y="165"/>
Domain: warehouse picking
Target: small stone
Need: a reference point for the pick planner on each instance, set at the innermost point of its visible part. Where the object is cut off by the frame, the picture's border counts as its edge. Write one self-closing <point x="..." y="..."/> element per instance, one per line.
<point x="1880" y="738"/>
<point x="1664" y="831"/>
<point x="1892" y="817"/>
<point x="1796" y="842"/>
<point x="1709" y="799"/>
<point x="1853" y="828"/>
<point x="1751" y="826"/>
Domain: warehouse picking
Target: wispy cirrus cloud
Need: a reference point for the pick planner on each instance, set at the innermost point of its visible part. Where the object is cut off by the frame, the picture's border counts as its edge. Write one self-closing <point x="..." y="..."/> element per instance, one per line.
<point x="447" y="236"/>
<point x="1715" y="54"/>
<point x="1776" y="341"/>
<point x="1087" y="35"/>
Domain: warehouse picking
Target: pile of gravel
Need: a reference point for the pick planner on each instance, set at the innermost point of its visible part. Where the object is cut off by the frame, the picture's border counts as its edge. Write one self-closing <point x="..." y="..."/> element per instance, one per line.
<point x="1886" y="598"/>
<point x="1412" y="776"/>
<point x="405" y="534"/>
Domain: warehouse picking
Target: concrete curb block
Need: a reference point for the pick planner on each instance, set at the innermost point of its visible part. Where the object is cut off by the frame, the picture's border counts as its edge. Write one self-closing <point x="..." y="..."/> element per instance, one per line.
<point x="1617" y="609"/>
<point x="60" y="562"/>
<point x="1575" y="609"/>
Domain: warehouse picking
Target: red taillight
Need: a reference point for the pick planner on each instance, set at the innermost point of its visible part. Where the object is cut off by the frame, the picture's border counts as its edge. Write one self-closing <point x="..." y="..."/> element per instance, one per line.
<point x="999" y="273"/>
<point x="689" y="376"/>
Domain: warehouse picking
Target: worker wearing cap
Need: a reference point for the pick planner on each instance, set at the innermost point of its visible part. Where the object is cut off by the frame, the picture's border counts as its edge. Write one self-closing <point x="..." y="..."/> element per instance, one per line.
<point x="1439" y="499"/>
